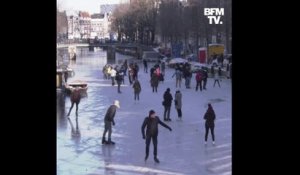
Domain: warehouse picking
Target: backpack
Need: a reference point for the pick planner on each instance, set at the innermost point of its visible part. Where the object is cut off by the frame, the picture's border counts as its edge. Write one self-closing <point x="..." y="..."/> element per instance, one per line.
<point x="198" y="77"/>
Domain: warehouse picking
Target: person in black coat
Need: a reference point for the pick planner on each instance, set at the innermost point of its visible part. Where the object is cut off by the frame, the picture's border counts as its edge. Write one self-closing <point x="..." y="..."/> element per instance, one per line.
<point x="151" y="122"/>
<point x="209" y="118"/>
<point x="119" y="78"/>
<point x="167" y="104"/>
<point x="145" y="66"/>
<point x="152" y="71"/>
<point x="205" y="76"/>
<point x="108" y="121"/>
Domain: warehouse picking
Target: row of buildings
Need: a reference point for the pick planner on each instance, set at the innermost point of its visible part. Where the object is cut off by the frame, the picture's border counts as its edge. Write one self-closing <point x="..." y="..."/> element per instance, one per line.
<point x="84" y="25"/>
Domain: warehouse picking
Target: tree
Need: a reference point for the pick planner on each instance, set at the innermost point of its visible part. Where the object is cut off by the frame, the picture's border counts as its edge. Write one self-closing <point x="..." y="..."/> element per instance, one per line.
<point x="61" y="23"/>
<point x="173" y="20"/>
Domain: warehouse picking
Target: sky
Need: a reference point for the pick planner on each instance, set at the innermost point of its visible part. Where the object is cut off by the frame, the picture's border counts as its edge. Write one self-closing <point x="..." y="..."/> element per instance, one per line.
<point x="91" y="6"/>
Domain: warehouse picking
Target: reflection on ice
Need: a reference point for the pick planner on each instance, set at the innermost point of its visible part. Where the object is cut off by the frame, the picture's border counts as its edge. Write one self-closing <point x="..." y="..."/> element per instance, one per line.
<point x="139" y="169"/>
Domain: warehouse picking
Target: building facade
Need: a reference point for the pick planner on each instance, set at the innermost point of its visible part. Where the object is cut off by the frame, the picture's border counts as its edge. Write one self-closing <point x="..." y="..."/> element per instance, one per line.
<point x="84" y="25"/>
<point x="73" y="27"/>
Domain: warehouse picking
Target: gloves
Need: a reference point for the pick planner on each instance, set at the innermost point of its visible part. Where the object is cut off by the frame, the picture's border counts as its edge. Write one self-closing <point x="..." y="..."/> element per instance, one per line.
<point x="143" y="137"/>
<point x="170" y="129"/>
<point x="113" y="123"/>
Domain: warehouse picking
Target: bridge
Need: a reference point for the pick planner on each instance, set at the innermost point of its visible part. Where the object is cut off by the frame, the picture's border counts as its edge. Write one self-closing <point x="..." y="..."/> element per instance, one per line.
<point x="117" y="45"/>
<point x="132" y="49"/>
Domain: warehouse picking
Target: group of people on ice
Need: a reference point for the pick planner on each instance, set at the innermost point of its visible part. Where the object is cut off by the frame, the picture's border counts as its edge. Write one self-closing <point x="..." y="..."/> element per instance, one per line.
<point x="151" y="121"/>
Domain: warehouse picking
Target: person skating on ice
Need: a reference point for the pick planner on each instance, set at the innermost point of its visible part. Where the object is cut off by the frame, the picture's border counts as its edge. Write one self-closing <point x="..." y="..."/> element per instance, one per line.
<point x="151" y="124"/>
<point x="209" y="118"/>
<point x="167" y="104"/>
<point x="109" y="121"/>
<point x="75" y="99"/>
<point x="137" y="89"/>
<point x="178" y="103"/>
<point x="217" y="79"/>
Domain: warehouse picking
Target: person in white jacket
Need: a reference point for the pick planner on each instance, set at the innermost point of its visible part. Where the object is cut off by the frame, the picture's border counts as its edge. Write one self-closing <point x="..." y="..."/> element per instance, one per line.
<point x="113" y="73"/>
<point x="217" y="77"/>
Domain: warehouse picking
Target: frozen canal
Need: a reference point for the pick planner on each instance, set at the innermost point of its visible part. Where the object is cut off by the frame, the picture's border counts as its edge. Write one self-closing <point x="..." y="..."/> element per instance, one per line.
<point x="182" y="151"/>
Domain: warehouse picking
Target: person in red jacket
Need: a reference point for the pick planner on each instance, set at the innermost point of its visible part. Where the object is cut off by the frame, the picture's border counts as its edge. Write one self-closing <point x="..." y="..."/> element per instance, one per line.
<point x="199" y="77"/>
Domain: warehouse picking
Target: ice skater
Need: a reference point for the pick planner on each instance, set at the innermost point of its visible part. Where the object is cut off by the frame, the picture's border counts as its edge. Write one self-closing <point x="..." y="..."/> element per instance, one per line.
<point x="119" y="79"/>
<point x="151" y="122"/>
<point x="154" y="82"/>
<point x="145" y="66"/>
<point x="209" y="118"/>
<point x="167" y="103"/>
<point x="108" y="121"/>
<point x="178" y="103"/>
<point x="75" y="99"/>
<point x="217" y="79"/>
<point x="137" y="89"/>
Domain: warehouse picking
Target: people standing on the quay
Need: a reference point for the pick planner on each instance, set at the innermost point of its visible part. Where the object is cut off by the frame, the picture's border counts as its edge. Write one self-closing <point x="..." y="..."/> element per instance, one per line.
<point x="178" y="103"/>
<point x="209" y="118"/>
<point x="178" y="76"/>
<point x="199" y="80"/>
<point x="119" y="79"/>
<point x="137" y="89"/>
<point x="167" y="104"/>
<point x="154" y="82"/>
<point x="109" y="121"/>
<point x="145" y="66"/>
<point x="75" y="98"/>
<point x="151" y="122"/>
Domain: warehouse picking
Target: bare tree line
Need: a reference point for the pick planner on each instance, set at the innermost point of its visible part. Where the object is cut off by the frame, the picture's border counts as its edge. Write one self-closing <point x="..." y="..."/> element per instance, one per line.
<point x="142" y="21"/>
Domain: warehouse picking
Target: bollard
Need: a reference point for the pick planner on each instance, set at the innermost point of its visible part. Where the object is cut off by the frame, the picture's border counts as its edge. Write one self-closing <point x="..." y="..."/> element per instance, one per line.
<point x="58" y="80"/>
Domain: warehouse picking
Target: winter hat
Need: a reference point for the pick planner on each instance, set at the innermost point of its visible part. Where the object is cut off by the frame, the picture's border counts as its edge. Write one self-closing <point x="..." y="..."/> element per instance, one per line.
<point x="168" y="89"/>
<point x="117" y="103"/>
<point x="209" y="107"/>
<point x="151" y="112"/>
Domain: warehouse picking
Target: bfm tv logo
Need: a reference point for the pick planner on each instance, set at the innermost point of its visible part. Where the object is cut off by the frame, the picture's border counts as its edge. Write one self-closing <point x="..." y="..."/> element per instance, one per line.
<point x="214" y="15"/>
